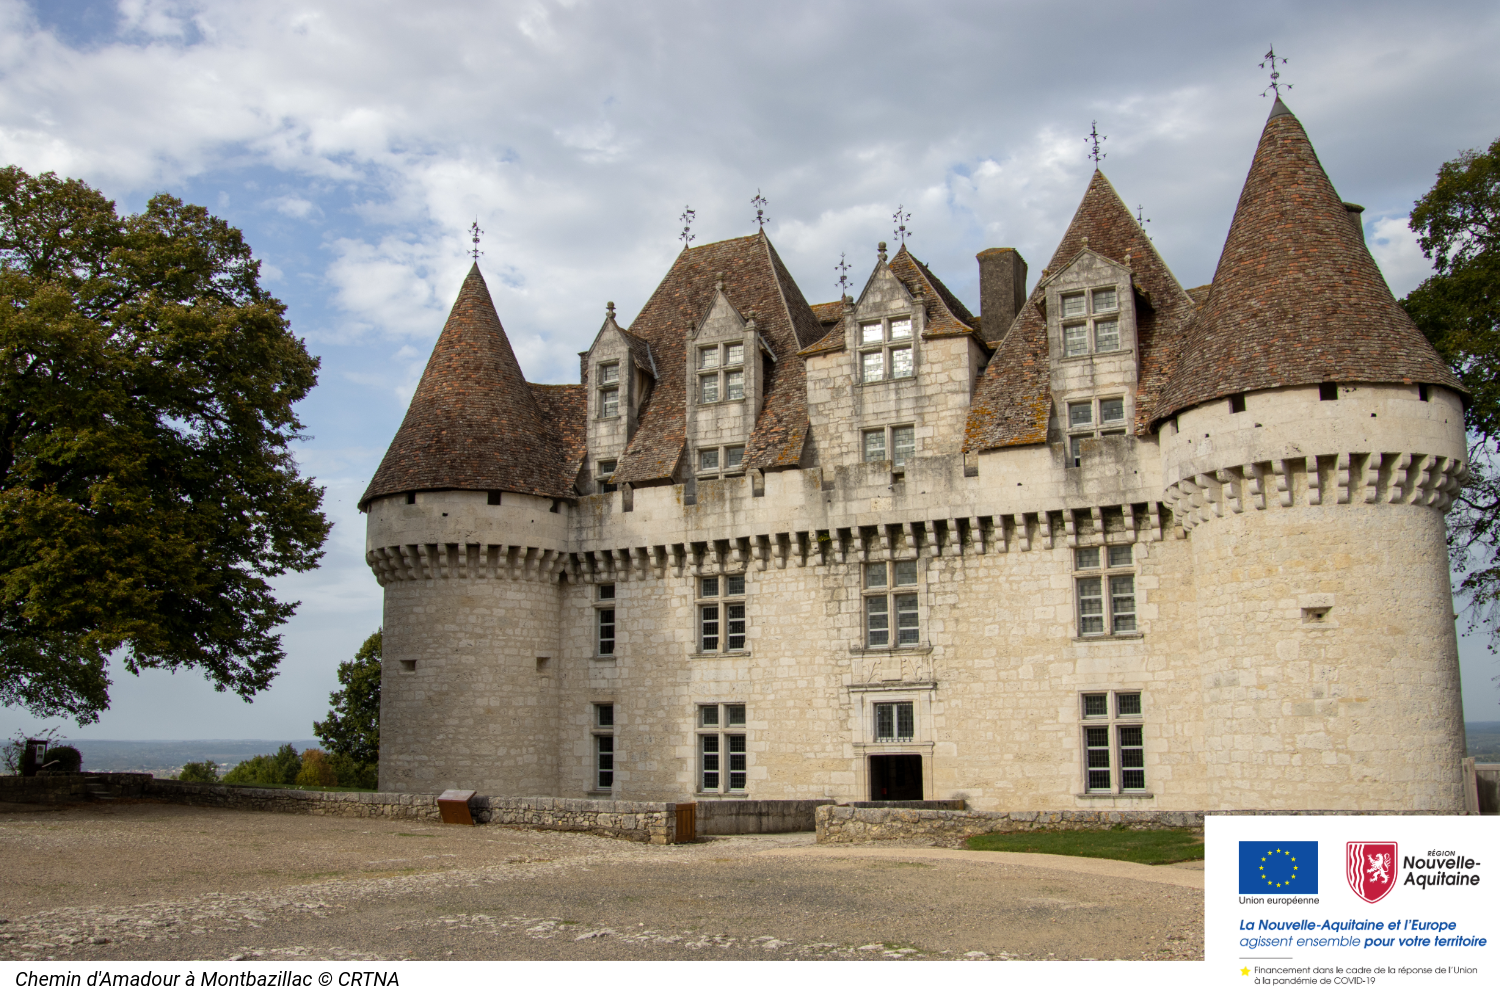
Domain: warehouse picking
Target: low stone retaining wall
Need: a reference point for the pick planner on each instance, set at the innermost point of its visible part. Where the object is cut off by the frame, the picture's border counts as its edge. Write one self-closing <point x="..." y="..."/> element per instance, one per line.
<point x="359" y="805"/>
<point x="63" y="788"/>
<point x="854" y="825"/>
<point x="646" y="822"/>
<point x="953" y="804"/>
<point x="727" y="817"/>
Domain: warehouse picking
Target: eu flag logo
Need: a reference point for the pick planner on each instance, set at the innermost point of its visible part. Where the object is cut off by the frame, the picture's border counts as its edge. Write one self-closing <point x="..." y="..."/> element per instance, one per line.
<point x="1279" y="867"/>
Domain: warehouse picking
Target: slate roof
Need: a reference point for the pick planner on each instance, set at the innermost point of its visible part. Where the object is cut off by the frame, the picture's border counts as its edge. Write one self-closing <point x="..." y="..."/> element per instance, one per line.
<point x="1014" y="399"/>
<point x="474" y="422"/>
<point x="754" y="278"/>
<point x="1297" y="298"/>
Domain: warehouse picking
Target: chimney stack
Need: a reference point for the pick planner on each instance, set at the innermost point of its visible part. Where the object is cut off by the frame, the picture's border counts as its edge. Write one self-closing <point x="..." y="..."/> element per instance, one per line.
<point x="1357" y="217"/>
<point x="1002" y="290"/>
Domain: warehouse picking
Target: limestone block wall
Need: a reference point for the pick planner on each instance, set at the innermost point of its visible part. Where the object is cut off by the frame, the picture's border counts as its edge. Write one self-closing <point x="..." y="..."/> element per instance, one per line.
<point x="1329" y="661"/>
<point x="472" y="625"/>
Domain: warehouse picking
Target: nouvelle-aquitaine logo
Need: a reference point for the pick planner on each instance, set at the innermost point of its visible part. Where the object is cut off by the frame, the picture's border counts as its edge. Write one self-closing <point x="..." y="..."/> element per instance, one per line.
<point x="1371" y="867"/>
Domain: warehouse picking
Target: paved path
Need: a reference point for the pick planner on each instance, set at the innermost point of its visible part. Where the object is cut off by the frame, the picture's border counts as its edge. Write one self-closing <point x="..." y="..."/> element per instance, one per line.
<point x="176" y="882"/>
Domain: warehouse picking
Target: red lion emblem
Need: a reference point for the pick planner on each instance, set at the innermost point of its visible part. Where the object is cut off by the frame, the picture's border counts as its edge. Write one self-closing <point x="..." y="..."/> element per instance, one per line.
<point x="1371" y="867"/>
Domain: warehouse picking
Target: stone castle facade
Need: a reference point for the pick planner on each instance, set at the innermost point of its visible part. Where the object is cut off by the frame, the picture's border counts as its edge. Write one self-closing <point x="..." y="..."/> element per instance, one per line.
<point x="1111" y="544"/>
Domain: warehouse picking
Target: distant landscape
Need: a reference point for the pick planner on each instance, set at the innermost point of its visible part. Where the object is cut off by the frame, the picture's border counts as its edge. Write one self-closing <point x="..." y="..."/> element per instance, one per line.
<point x="1484" y="741"/>
<point x="164" y="758"/>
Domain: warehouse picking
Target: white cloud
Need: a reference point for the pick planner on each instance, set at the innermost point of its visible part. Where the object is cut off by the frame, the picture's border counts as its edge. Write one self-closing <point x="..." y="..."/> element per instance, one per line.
<point x="1394" y="247"/>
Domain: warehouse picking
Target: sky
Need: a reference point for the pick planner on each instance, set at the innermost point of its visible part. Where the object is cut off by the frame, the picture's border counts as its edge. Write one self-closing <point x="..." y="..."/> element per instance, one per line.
<point x="355" y="143"/>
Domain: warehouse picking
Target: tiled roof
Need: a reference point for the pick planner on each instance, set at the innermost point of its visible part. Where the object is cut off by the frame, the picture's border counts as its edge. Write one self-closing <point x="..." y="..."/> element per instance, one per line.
<point x="1013" y="402"/>
<point x="828" y="313"/>
<point x="1199" y="294"/>
<point x="473" y="423"/>
<point x="946" y="316"/>
<point x="1297" y="298"/>
<point x="754" y="278"/>
<point x="564" y="408"/>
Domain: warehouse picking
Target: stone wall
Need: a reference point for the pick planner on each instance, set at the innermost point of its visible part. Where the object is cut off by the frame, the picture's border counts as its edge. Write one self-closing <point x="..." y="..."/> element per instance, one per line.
<point x="646" y="822"/>
<point x="732" y="816"/>
<point x="359" y="805"/>
<point x="853" y="825"/>
<point x="64" y="789"/>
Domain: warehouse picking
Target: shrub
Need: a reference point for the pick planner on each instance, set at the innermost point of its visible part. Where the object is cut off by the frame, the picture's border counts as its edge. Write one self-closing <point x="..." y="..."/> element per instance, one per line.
<point x="69" y="760"/>
<point x="207" y="771"/>
<point x="355" y="773"/>
<point x="277" y="769"/>
<point x="316" y="770"/>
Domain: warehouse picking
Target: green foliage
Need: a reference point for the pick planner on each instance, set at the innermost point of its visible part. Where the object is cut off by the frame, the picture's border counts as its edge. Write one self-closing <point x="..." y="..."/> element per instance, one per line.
<point x="353" y="773"/>
<point x="67" y="759"/>
<point x="147" y="487"/>
<point x="279" y="768"/>
<point x="352" y="729"/>
<point x="206" y="771"/>
<point x="1458" y="309"/>
<point x="1147" y="847"/>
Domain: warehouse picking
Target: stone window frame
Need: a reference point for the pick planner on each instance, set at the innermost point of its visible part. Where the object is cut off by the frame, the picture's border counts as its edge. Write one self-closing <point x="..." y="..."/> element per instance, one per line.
<point x="714" y="736"/>
<point x="603" y="725"/>
<point x="888" y="444"/>
<point x="1113" y="742"/>
<point x="1090" y="319"/>
<point x="722" y="454"/>
<point x="890" y="591"/>
<point x="886" y="348"/>
<point x="724" y="601"/>
<point x="1095" y="428"/>
<point x="1105" y="569"/>
<point x="609" y="388"/>
<point x="605" y="618"/>
<point x="895" y="718"/>
<point x="720" y="373"/>
<point x="603" y="474"/>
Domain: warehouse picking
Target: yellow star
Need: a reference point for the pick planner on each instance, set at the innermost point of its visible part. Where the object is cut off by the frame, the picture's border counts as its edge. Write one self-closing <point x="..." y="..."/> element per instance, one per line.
<point x="1244" y="972"/>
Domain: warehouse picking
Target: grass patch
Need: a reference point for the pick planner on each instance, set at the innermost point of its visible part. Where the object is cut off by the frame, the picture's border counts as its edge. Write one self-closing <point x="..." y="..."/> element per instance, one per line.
<point x="1147" y="847"/>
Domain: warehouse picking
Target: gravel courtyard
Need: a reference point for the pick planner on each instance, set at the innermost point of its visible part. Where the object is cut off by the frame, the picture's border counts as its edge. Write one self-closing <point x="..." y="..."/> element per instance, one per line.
<point x="141" y="881"/>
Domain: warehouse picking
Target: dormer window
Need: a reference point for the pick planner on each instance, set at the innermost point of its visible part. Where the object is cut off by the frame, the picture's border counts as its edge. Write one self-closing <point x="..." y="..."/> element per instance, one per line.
<point x="1090" y="322"/>
<point x="885" y="350"/>
<point x="1082" y="426"/>
<point x="609" y="389"/>
<point x="606" y="470"/>
<point x="724" y="381"/>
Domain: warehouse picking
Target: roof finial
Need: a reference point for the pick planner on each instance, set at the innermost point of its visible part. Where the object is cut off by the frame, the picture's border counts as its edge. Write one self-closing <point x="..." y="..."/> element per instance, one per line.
<point x="609" y="311"/>
<point x="718" y="281"/>
<point x="760" y="209"/>
<point x="842" y="267"/>
<point x="1271" y="59"/>
<point x="687" y="217"/>
<point x="1095" y="139"/>
<point x="1141" y="220"/>
<point x="475" y="232"/>
<point x="880" y="251"/>
<point x="901" y="218"/>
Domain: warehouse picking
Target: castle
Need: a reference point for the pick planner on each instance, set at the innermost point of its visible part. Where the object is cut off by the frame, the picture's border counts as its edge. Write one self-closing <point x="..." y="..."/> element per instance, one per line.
<point x="1110" y="544"/>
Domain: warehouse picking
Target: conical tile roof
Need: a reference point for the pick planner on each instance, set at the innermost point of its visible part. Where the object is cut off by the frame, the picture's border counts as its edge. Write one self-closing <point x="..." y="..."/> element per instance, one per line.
<point x="1012" y="403"/>
<point x="1297" y="299"/>
<point x="473" y="423"/>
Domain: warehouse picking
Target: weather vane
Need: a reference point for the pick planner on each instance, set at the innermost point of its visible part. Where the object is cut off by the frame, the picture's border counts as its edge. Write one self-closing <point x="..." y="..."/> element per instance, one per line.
<point x="760" y="209"/>
<point x="1272" y="59"/>
<point x="901" y="218"/>
<point x="1095" y="138"/>
<point x="842" y="267"/>
<point x="1140" y="213"/>
<point x="686" y="236"/>
<point x="475" y="232"/>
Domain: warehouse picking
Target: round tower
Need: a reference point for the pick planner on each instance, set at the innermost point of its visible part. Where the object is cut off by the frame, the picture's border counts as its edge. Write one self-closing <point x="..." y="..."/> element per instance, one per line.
<point x="1312" y="441"/>
<point x="467" y="537"/>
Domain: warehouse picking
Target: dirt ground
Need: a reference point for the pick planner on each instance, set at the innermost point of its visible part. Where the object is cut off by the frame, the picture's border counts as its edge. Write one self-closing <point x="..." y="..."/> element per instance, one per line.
<point x="144" y="881"/>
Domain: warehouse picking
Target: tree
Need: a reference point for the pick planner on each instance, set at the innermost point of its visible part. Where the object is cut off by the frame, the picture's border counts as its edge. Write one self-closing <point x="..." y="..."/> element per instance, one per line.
<point x="352" y="729"/>
<point x="204" y="771"/>
<point x="279" y="768"/>
<point x="1458" y="308"/>
<point x="147" y="487"/>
